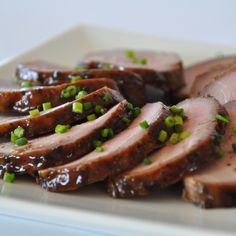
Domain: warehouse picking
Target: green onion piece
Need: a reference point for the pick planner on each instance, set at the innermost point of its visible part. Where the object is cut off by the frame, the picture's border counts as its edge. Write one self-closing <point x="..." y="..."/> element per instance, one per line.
<point x="143" y="61"/>
<point x="129" y="54"/>
<point x="221" y="152"/>
<point x="178" y="121"/>
<point x="13" y="137"/>
<point x="34" y="112"/>
<point x="77" y="107"/>
<point x="81" y="94"/>
<point x="136" y="111"/>
<point x="97" y="143"/>
<point x="69" y="91"/>
<point x="19" y="132"/>
<point x="87" y="105"/>
<point x="234" y="129"/>
<point x="174" y="138"/>
<point x="21" y="141"/>
<point x="99" y="109"/>
<point x="47" y="106"/>
<point x="60" y="129"/>
<point x="105" y="132"/>
<point x="26" y="84"/>
<point x="222" y="118"/>
<point x="176" y="110"/>
<point x="9" y="177"/>
<point x="76" y="78"/>
<point x="169" y="121"/>
<point x="99" y="149"/>
<point x="144" y="124"/>
<point x="183" y="135"/>
<point x="135" y="61"/>
<point x="147" y="161"/>
<point x="234" y="147"/>
<point x="130" y="106"/>
<point x="91" y="117"/>
<point x="125" y="119"/>
<point x="107" y="97"/>
<point x="162" y="136"/>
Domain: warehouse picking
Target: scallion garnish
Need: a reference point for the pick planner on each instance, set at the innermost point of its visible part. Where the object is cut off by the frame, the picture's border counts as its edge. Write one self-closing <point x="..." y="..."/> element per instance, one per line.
<point x="26" y="84"/>
<point x="234" y="147"/>
<point x="47" y="106"/>
<point x="144" y="124"/>
<point x="143" y="61"/>
<point x="76" y="78"/>
<point x="147" y="161"/>
<point x="162" y="136"/>
<point x="34" y="112"/>
<point x="105" y="132"/>
<point x="183" y="135"/>
<point x="222" y="118"/>
<point x="135" y="61"/>
<point x="19" y="132"/>
<point x="174" y="138"/>
<point x="107" y="97"/>
<point x="91" y="117"/>
<point x="136" y="111"/>
<point x="60" y="129"/>
<point x="129" y="53"/>
<point x="176" y="110"/>
<point x="77" y="107"/>
<point x="21" y="141"/>
<point x="169" y="121"/>
<point x="69" y="91"/>
<point x="130" y="106"/>
<point x="125" y="119"/>
<point x="87" y="105"/>
<point x="99" y="109"/>
<point x="221" y="152"/>
<point x="9" y="177"/>
<point x="178" y="121"/>
<point x="17" y="136"/>
<point x="99" y="149"/>
<point x="81" y="94"/>
<point x="97" y="143"/>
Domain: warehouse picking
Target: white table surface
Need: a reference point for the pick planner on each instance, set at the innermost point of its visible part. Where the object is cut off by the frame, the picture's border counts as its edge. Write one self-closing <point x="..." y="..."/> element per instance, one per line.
<point x="25" y="23"/>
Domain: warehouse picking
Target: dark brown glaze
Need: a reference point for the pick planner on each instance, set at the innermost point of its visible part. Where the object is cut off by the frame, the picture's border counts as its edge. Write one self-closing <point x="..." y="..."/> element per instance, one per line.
<point x="171" y="163"/>
<point x="58" y="149"/>
<point x="214" y="186"/>
<point x="24" y="100"/>
<point x="122" y="152"/>
<point x="191" y="72"/>
<point x="223" y="87"/>
<point x="159" y="66"/>
<point x="46" y="122"/>
<point x="127" y="81"/>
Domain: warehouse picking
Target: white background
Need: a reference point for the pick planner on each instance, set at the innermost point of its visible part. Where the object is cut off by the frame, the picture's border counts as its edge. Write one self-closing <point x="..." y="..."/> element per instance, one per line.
<point x="25" y="23"/>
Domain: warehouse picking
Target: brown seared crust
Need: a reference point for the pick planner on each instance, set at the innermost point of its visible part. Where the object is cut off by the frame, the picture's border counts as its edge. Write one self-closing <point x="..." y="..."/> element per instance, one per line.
<point x="24" y="100"/>
<point x="21" y="163"/>
<point x="124" y="187"/>
<point x="46" y="122"/>
<point x="54" y="180"/>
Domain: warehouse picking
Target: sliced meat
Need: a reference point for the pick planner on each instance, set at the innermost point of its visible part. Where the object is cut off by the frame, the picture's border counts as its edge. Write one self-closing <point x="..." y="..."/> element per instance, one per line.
<point x="223" y="88"/>
<point x="120" y="153"/>
<point x="24" y="100"/>
<point x="152" y="66"/>
<point x="46" y="122"/>
<point x="214" y="185"/>
<point x="126" y="81"/>
<point x="172" y="162"/>
<point x="193" y="71"/>
<point x="58" y="149"/>
<point x="206" y="78"/>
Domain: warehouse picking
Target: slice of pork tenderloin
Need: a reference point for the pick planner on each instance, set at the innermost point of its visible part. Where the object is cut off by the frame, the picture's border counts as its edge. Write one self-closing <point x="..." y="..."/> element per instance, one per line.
<point x="223" y="88"/>
<point x="46" y="121"/>
<point x="61" y="148"/>
<point x="171" y="163"/>
<point x="127" y="81"/>
<point x="24" y="100"/>
<point x="207" y="77"/>
<point x="191" y="72"/>
<point x="214" y="186"/>
<point x="122" y="152"/>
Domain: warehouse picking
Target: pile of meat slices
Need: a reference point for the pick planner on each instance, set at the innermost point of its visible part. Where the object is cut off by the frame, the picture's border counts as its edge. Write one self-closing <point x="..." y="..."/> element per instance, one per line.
<point x="106" y="120"/>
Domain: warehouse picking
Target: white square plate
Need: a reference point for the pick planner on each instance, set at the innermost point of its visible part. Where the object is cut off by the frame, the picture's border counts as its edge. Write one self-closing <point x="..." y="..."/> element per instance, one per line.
<point x="163" y="213"/>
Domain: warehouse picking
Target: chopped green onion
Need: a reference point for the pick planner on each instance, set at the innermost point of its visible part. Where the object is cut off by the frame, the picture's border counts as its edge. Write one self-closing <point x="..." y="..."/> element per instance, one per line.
<point x="34" y="112"/>
<point x="178" y="121"/>
<point x="136" y="111"/>
<point x="169" y="121"/>
<point x="162" y="136"/>
<point x="174" y="138"/>
<point x="91" y="117"/>
<point x="77" y="107"/>
<point x="147" y="161"/>
<point x="21" y="141"/>
<point x="99" y="109"/>
<point x="143" y="61"/>
<point x="221" y="153"/>
<point x="9" y="177"/>
<point x="26" y="84"/>
<point x="60" y="129"/>
<point x="130" y="106"/>
<point x="76" y="78"/>
<point x="183" y="135"/>
<point x="135" y="61"/>
<point x="222" y="118"/>
<point x="129" y="53"/>
<point x="234" y="147"/>
<point x="234" y="129"/>
<point x="13" y="137"/>
<point x="97" y="143"/>
<point x="176" y="110"/>
<point x="144" y="124"/>
<point x="68" y="92"/>
<point x="107" y="132"/>
<point x="47" y="106"/>
<point x="81" y="94"/>
<point x="99" y="149"/>
<point x="19" y="132"/>
<point x="107" y="97"/>
<point x="87" y="105"/>
<point x="125" y="119"/>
